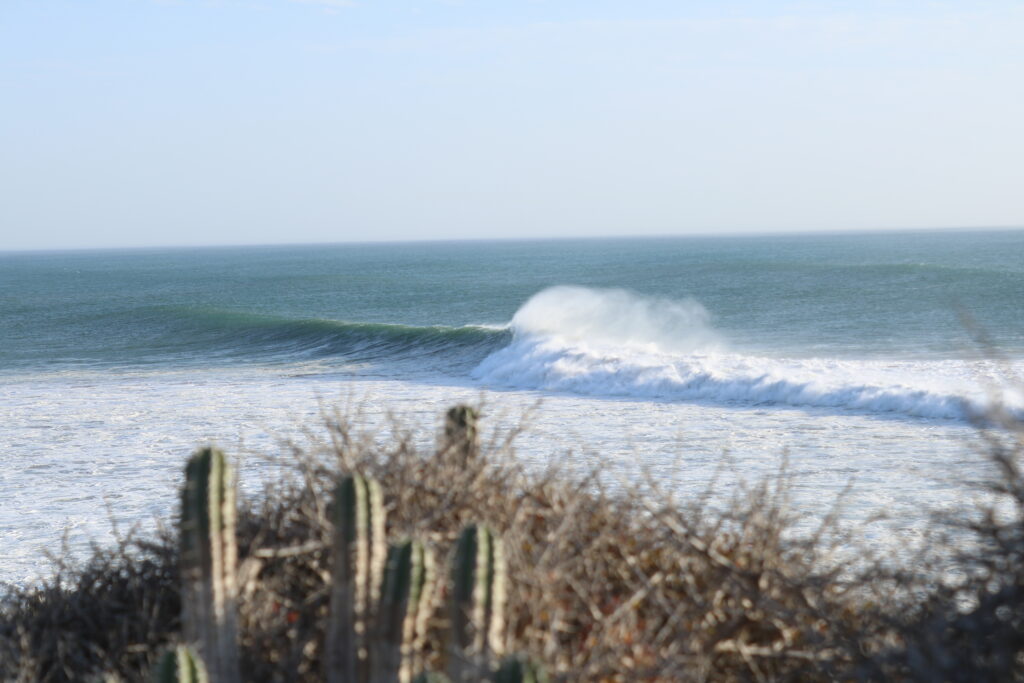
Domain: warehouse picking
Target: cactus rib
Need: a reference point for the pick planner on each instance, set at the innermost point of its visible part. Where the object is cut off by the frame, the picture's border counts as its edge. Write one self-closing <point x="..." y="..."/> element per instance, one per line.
<point x="478" y="603"/>
<point x="405" y="606"/>
<point x="358" y="565"/>
<point x="209" y="556"/>
<point x="180" y="665"/>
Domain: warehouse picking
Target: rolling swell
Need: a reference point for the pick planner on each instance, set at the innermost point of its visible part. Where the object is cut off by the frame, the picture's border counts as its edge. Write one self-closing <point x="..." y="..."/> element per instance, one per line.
<point x="212" y="334"/>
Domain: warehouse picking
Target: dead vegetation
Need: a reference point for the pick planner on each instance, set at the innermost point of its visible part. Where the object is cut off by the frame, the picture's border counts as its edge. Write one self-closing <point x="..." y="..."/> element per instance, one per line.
<point x="619" y="586"/>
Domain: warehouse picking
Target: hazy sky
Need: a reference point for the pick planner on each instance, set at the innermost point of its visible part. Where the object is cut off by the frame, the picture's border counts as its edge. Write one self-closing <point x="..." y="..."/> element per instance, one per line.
<point x="143" y="122"/>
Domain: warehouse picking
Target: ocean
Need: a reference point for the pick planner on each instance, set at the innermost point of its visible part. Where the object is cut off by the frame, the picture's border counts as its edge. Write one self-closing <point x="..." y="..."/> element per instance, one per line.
<point x="860" y="359"/>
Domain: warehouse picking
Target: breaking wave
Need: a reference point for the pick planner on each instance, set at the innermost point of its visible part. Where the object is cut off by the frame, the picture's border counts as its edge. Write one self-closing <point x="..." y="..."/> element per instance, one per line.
<point x="595" y="342"/>
<point x="616" y="343"/>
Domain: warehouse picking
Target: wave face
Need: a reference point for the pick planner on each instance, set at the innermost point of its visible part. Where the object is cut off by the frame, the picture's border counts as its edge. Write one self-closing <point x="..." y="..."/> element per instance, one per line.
<point x="191" y="335"/>
<point x="247" y="334"/>
<point x="614" y="343"/>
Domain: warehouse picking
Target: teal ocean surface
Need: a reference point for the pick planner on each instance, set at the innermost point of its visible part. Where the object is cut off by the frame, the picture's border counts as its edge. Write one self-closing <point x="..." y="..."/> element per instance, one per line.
<point x="851" y="352"/>
<point x="851" y="296"/>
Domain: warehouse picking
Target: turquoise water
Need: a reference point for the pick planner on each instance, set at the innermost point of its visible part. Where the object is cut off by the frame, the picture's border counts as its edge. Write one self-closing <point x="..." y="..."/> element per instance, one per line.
<point x="856" y="296"/>
<point x="848" y="351"/>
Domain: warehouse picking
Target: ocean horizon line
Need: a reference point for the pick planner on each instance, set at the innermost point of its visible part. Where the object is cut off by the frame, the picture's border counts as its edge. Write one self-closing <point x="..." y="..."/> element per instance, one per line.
<point x="697" y="235"/>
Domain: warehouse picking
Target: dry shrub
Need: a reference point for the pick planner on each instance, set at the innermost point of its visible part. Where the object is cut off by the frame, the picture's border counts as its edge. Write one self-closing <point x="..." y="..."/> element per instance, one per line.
<point x="109" y="614"/>
<point x="971" y="626"/>
<point x="623" y="585"/>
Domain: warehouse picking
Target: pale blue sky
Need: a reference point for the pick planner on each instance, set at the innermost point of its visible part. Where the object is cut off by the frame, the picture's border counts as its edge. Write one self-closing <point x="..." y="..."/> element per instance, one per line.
<point x="142" y="122"/>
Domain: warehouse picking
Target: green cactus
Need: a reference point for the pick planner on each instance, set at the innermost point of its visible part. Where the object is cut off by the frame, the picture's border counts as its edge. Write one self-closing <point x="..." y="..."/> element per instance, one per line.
<point x="520" y="669"/>
<point x="358" y="565"/>
<point x="477" y="604"/>
<point x="180" y="665"/>
<point x="209" y="558"/>
<point x="461" y="435"/>
<point x="406" y="603"/>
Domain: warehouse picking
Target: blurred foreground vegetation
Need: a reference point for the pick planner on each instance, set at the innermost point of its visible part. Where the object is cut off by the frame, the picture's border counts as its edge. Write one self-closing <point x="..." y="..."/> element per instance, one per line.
<point x="623" y="585"/>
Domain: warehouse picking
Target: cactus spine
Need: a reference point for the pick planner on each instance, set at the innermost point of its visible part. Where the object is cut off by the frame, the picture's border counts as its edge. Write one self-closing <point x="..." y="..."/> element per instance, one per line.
<point x="180" y="665"/>
<point x="209" y="557"/>
<point x="358" y="564"/>
<point x="406" y="603"/>
<point x="477" y="603"/>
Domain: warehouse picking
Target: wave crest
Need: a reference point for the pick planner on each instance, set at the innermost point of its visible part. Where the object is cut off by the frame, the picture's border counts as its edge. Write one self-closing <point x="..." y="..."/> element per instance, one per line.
<point x="616" y="318"/>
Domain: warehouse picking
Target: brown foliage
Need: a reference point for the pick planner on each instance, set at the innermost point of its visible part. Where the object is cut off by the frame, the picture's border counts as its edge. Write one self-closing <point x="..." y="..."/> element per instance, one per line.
<point x="605" y="586"/>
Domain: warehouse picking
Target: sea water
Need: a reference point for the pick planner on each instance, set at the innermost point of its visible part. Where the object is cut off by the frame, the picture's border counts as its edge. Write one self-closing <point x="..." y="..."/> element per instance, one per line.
<point x="858" y="358"/>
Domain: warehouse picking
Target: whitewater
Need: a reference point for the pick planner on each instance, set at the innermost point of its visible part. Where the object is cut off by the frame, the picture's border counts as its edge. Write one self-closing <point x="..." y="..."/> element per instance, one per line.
<point x="615" y="343"/>
<point x="862" y="361"/>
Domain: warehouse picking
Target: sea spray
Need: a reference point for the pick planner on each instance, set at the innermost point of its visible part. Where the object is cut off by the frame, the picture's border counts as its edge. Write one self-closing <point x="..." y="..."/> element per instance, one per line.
<point x="616" y="318"/>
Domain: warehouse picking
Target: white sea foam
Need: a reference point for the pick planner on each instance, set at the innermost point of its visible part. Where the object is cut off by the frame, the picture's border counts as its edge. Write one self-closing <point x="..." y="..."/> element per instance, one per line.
<point x="76" y="445"/>
<point x="614" y="343"/>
